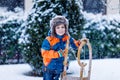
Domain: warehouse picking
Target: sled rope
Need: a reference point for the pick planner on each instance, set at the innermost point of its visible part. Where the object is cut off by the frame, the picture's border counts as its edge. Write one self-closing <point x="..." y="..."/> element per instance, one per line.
<point x="65" y="59"/>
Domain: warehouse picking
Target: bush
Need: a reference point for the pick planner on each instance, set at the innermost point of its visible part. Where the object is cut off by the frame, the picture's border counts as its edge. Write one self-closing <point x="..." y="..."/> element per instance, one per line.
<point x="103" y="33"/>
<point x="9" y="36"/>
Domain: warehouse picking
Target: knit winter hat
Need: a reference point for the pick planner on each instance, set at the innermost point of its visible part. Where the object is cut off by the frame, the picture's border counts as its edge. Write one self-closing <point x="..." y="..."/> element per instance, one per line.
<point x="57" y="20"/>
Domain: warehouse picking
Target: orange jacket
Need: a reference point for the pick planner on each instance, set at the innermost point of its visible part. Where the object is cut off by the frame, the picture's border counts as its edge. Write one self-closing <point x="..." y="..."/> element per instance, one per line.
<point x="51" y="45"/>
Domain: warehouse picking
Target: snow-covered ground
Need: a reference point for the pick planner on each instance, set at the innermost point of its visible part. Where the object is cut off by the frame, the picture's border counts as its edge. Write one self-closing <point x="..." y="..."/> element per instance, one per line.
<point x="102" y="69"/>
<point x="16" y="72"/>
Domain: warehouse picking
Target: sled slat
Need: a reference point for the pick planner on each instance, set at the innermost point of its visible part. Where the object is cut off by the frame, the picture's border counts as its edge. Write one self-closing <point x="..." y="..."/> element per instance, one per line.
<point x="73" y="78"/>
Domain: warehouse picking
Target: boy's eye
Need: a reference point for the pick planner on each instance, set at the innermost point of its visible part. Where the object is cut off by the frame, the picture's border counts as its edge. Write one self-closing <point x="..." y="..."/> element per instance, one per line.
<point x="60" y="27"/>
<point x="63" y="27"/>
<point x="57" y="27"/>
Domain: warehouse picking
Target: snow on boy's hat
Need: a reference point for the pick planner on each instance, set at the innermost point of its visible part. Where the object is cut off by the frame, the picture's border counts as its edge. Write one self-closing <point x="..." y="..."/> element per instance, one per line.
<point x="57" y="20"/>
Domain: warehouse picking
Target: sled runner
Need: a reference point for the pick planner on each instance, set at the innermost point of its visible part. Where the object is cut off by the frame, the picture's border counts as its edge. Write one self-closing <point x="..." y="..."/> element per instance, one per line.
<point x="81" y="64"/>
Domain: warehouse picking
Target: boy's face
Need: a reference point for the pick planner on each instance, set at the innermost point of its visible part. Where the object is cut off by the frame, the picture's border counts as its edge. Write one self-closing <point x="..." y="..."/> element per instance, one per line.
<point x="60" y="29"/>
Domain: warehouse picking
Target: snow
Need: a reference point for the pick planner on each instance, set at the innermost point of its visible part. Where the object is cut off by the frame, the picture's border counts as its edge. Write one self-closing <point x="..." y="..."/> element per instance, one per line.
<point x="102" y="69"/>
<point x="16" y="72"/>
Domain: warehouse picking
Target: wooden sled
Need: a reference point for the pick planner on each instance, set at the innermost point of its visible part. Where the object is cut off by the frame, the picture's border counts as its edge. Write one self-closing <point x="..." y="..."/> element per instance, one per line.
<point x="81" y="64"/>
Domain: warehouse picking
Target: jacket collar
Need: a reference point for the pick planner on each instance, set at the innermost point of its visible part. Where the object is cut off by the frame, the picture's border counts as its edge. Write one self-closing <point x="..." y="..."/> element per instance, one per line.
<point x="60" y="37"/>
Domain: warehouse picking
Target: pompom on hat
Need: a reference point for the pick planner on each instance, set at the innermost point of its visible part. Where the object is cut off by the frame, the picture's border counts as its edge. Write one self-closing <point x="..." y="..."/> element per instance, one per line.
<point x="57" y="20"/>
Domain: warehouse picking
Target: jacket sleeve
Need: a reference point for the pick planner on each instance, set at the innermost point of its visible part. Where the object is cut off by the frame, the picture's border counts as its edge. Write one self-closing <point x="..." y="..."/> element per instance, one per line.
<point x="74" y="43"/>
<point x="47" y="52"/>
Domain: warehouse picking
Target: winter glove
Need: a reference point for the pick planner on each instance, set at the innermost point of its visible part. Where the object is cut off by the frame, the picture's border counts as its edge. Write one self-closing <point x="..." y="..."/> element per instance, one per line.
<point x="60" y="52"/>
<point x="85" y="40"/>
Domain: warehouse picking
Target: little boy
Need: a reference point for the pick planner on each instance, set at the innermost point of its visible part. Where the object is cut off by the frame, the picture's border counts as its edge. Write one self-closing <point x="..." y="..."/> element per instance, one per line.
<point x="53" y="47"/>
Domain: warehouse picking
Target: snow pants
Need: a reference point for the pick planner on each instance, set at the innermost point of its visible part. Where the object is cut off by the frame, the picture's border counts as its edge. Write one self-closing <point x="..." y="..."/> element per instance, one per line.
<point x="50" y="75"/>
<point x="53" y="70"/>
